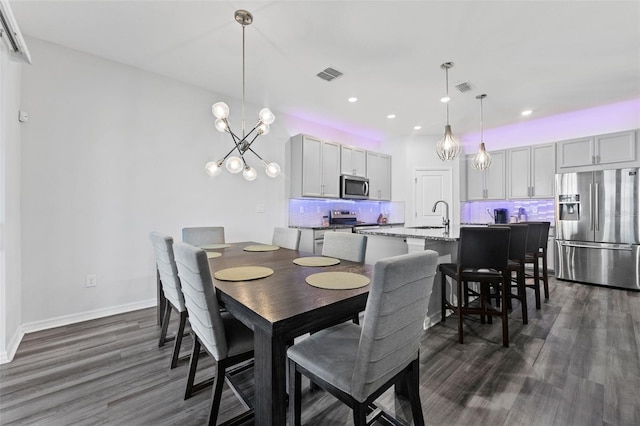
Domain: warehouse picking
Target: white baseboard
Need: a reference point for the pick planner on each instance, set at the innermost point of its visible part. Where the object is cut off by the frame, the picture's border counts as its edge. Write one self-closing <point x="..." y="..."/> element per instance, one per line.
<point x="431" y="320"/>
<point x="30" y="327"/>
<point x="12" y="346"/>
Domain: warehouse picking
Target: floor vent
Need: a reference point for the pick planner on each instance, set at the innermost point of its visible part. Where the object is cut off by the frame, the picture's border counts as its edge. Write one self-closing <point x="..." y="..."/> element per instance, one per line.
<point x="329" y="74"/>
<point x="465" y="86"/>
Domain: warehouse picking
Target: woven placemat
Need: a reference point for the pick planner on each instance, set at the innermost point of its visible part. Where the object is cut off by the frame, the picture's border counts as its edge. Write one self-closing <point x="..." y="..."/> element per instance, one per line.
<point x="316" y="261"/>
<point x="261" y="247"/>
<point x="337" y="280"/>
<point x="214" y="246"/>
<point x="243" y="273"/>
<point x="212" y="254"/>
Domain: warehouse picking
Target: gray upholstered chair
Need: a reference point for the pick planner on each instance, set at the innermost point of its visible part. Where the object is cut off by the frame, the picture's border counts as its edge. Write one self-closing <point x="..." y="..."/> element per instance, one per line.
<point x="222" y="336"/>
<point x="174" y="300"/>
<point x="288" y="238"/>
<point x="201" y="236"/>
<point x="357" y="364"/>
<point x="345" y="246"/>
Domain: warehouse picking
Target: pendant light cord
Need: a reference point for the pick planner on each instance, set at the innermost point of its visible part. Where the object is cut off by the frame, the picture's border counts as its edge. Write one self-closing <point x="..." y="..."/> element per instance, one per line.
<point x="243" y="132"/>
<point x="481" y="121"/>
<point x="446" y="72"/>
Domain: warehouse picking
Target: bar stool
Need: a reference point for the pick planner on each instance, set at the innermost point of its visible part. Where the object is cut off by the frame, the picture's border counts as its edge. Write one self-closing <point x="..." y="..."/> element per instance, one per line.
<point x="532" y="258"/>
<point x="483" y="255"/>
<point x="544" y="241"/>
<point x="517" y="253"/>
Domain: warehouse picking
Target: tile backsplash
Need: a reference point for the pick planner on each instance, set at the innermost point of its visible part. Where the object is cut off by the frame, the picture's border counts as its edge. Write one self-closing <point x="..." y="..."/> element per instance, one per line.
<point x="309" y="212"/>
<point x="536" y="210"/>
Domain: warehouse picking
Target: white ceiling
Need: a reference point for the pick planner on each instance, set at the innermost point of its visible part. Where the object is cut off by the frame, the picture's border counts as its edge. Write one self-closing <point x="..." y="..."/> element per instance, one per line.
<point x="549" y="56"/>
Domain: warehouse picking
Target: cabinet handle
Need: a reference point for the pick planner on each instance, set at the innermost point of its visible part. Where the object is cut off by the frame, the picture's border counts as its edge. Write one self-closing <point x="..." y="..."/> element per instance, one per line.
<point x="593" y="159"/>
<point x="598" y="159"/>
<point x="533" y="191"/>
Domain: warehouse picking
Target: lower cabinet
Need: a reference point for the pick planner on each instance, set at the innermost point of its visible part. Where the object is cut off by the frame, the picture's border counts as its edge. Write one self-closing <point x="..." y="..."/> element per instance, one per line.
<point x="312" y="240"/>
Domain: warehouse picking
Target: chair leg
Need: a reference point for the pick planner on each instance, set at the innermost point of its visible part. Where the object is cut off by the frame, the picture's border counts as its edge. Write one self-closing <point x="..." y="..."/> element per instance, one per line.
<point x="536" y="281"/>
<point x="295" y="405"/>
<point x="217" y="392"/>
<point x="505" y="316"/>
<point x="193" y="365"/>
<point x="443" y="296"/>
<point x="459" y="310"/>
<point x="165" y="324"/>
<point x="522" y="292"/>
<point x="545" y="275"/>
<point x="178" y="342"/>
<point x="413" y="388"/>
<point x="359" y="414"/>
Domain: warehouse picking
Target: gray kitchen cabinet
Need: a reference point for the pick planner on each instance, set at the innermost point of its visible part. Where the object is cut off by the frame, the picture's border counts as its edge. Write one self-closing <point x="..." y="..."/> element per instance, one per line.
<point x="612" y="150"/>
<point x="530" y="171"/>
<point x="353" y="161"/>
<point x="315" y="167"/>
<point x="488" y="184"/>
<point x="379" y="175"/>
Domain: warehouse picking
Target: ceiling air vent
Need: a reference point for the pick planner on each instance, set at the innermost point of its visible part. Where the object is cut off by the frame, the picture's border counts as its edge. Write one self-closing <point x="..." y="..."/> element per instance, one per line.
<point x="329" y="74"/>
<point x="465" y="86"/>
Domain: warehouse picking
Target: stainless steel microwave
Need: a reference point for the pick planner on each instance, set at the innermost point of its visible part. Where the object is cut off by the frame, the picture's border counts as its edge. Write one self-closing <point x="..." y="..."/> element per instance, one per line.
<point x="354" y="187"/>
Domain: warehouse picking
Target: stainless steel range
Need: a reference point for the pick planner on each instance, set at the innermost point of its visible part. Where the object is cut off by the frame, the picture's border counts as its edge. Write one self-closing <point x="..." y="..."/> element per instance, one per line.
<point x="343" y="217"/>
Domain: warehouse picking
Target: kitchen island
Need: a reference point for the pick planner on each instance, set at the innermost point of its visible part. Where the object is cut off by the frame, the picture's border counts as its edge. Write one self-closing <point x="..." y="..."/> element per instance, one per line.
<point x="387" y="242"/>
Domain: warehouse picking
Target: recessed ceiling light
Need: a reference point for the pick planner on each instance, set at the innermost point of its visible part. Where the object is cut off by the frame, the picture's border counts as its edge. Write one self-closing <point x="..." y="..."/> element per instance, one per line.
<point x="526" y="112"/>
<point x="391" y="116"/>
<point x="445" y="99"/>
<point x="417" y="127"/>
<point x="353" y="99"/>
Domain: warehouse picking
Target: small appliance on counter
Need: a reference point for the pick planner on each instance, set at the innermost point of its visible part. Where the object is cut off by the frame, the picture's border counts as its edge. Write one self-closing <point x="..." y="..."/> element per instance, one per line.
<point x="499" y="215"/>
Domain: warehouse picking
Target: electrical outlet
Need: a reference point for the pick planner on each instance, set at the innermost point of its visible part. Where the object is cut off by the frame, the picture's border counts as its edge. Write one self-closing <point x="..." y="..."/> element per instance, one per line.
<point x="301" y="211"/>
<point x="92" y="280"/>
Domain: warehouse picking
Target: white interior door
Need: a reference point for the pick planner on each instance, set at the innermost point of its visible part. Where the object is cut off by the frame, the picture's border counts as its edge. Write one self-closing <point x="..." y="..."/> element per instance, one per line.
<point x="431" y="186"/>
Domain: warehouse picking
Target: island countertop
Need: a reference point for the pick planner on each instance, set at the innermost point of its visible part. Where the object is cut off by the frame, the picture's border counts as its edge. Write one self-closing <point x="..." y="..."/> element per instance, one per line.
<point x="437" y="234"/>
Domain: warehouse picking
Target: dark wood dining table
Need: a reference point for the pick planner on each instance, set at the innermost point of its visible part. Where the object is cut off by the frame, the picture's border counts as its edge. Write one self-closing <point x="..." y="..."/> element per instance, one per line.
<point x="279" y="308"/>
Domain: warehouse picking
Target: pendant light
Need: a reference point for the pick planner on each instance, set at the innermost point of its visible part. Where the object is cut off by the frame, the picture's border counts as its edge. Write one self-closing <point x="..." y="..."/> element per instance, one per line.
<point x="220" y="110"/>
<point x="449" y="147"/>
<point x="482" y="160"/>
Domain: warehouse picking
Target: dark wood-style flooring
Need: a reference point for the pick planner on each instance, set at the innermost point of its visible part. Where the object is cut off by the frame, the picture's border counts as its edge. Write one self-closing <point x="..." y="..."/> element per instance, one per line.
<point x="577" y="362"/>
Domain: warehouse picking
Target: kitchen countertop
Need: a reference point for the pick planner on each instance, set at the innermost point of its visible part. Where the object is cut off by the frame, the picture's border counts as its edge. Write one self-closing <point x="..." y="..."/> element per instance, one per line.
<point x="437" y="234"/>
<point x="343" y="226"/>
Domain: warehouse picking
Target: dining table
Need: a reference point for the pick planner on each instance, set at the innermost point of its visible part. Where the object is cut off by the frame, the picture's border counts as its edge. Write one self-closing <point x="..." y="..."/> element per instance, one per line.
<point x="279" y="308"/>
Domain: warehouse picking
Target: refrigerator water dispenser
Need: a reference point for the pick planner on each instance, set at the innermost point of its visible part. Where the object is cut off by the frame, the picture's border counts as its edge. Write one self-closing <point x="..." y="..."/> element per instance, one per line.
<point x="569" y="207"/>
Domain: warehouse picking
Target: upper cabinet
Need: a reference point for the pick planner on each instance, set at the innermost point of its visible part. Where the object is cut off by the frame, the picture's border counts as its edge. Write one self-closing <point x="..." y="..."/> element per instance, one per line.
<point x="379" y="174"/>
<point x="314" y="167"/>
<point x="530" y="171"/>
<point x="488" y="184"/>
<point x="598" y="152"/>
<point x="353" y="161"/>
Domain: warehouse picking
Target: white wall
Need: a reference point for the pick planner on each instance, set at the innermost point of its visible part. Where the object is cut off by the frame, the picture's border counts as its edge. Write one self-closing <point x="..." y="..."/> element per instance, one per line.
<point x="111" y="153"/>
<point x="10" y="287"/>
<point x="419" y="153"/>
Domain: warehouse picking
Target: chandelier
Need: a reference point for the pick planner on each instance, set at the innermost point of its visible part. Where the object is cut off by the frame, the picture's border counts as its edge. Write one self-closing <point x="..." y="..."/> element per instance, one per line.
<point x="237" y="163"/>
<point x="482" y="160"/>
<point x="448" y="148"/>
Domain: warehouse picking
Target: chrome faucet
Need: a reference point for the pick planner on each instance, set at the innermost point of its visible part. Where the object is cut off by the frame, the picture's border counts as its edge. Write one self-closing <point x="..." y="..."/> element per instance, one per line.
<point x="445" y="219"/>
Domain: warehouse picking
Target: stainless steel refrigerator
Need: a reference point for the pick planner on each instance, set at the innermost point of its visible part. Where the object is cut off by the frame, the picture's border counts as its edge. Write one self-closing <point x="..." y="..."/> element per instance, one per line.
<point x="598" y="228"/>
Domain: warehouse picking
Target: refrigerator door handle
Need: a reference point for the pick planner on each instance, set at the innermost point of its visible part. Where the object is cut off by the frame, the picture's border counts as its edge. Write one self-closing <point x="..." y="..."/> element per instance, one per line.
<point x="623" y="248"/>
<point x="597" y="208"/>
<point x="591" y="204"/>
